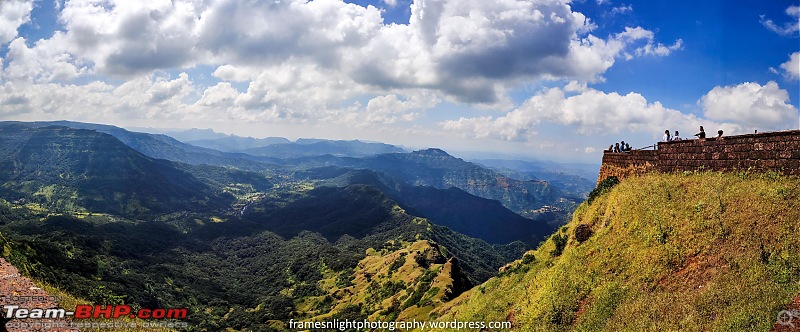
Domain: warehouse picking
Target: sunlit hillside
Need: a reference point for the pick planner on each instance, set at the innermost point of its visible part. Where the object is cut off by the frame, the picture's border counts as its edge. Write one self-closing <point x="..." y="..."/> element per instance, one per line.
<point x="694" y="251"/>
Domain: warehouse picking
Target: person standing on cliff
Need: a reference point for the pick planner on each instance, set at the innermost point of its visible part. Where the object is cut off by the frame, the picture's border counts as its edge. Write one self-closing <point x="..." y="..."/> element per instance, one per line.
<point x="666" y="137"/>
<point x="701" y="134"/>
<point x="677" y="136"/>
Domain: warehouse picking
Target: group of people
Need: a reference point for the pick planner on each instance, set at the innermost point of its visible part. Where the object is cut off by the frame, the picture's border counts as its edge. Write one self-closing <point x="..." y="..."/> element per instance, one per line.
<point x="625" y="147"/>
<point x="620" y="147"/>
<point x="668" y="138"/>
<point x="677" y="137"/>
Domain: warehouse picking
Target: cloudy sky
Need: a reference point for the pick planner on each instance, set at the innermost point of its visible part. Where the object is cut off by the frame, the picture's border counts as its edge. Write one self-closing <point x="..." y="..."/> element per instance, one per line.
<point x="537" y="79"/>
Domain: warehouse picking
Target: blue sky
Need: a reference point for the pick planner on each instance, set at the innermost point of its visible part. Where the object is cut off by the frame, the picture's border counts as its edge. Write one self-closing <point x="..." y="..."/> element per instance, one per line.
<point x="530" y="79"/>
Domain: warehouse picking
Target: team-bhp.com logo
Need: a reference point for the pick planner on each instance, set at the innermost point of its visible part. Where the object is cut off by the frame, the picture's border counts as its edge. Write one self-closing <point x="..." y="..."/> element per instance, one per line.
<point x="95" y="311"/>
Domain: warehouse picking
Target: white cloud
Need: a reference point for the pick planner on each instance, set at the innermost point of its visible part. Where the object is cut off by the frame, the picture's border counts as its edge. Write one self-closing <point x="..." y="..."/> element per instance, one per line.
<point x="622" y="9"/>
<point x="44" y="62"/>
<point x="788" y="28"/>
<point x="390" y="3"/>
<point x="590" y="112"/>
<point x="751" y="105"/>
<point x="303" y="61"/>
<point x="390" y="108"/>
<point x="234" y="74"/>
<point x="221" y="95"/>
<point x="142" y="98"/>
<point x="469" y="50"/>
<point x="165" y="90"/>
<point x="650" y="47"/>
<point x="127" y="38"/>
<point x="791" y="68"/>
<point x="13" y="14"/>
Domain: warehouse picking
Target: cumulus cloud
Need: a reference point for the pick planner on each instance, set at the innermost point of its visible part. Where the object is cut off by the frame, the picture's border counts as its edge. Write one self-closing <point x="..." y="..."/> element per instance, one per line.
<point x="751" y="105"/>
<point x="13" y="14"/>
<point x="133" y="37"/>
<point x="788" y="28"/>
<point x="44" y="62"/>
<point x="735" y="109"/>
<point x="471" y="51"/>
<point x="221" y="95"/>
<point x="590" y="112"/>
<point x="391" y="108"/>
<point x="165" y="90"/>
<point x="303" y="61"/>
<point x="234" y="73"/>
<point x="141" y="98"/>
<point x="791" y="68"/>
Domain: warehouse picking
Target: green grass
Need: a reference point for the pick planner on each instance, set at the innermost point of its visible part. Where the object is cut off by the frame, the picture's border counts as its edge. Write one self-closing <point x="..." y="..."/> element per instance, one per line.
<point x="695" y="251"/>
<point x="70" y="302"/>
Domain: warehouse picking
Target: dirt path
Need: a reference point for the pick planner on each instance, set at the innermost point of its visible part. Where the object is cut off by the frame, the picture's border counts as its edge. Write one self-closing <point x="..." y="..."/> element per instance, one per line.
<point x="18" y="290"/>
<point x="785" y="322"/>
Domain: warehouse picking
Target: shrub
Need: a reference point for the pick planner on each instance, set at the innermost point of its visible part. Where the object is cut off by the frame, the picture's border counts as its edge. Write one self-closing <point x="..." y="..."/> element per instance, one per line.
<point x="602" y="188"/>
<point x="560" y="241"/>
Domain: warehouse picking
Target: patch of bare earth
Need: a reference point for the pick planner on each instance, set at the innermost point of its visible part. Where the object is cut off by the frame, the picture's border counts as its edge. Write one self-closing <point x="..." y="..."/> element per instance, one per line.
<point x="17" y="290"/>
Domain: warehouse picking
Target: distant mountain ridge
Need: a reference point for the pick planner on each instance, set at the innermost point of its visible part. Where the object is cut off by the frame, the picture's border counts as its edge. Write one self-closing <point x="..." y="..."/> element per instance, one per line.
<point x="534" y="199"/>
<point x="68" y="168"/>
<point x="347" y="234"/>
<point x="277" y="147"/>
<point x="236" y="143"/>
<point x="454" y="208"/>
<point x="305" y="148"/>
<point x="161" y="146"/>
<point x="577" y="178"/>
<point x="438" y="169"/>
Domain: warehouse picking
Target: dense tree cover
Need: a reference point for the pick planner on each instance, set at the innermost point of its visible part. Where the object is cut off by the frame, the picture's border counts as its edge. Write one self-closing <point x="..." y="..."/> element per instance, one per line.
<point x="240" y="273"/>
<point x="242" y="249"/>
<point x="72" y="169"/>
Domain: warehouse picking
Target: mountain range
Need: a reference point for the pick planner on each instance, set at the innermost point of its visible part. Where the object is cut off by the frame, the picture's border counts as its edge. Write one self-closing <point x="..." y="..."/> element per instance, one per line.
<point x="249" y="241"/>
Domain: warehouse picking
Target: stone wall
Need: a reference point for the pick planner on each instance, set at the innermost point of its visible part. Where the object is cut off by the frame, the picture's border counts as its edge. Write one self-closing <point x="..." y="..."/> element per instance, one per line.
<point x="772" y="151"/>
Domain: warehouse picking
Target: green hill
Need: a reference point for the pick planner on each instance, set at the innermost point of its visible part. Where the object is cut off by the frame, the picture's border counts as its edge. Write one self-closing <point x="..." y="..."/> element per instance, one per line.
<point x="297" y="255"/>
<point x="695" y="252"/>
<point x="158" y="146"/>
<point x="66" y="169"/>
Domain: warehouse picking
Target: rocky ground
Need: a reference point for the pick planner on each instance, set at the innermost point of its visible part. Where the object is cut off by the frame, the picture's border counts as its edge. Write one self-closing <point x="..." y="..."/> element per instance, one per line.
<point x="18" y="290"/>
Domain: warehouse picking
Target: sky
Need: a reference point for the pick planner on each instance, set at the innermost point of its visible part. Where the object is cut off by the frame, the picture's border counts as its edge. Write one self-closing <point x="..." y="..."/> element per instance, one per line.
<point x="554" y="80"/>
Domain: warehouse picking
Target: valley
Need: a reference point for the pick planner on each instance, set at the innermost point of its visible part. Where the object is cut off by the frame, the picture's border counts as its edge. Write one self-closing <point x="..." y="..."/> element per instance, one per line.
<point x="249" y="242"/>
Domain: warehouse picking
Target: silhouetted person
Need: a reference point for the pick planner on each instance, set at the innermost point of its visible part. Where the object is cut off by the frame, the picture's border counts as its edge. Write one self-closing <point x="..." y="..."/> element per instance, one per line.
<point x="666" y="137"/>
<point x="627" y="147"/>
<point x="719" y="133"/>
<point x="701" y="134"/>
<point x="616" y="147"/>
<point x="610" y="148"/>
<point x="677" y="136"/>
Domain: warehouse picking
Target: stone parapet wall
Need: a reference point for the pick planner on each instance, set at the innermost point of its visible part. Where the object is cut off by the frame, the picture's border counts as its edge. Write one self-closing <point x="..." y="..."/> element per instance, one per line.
<point x="773" y="151"/>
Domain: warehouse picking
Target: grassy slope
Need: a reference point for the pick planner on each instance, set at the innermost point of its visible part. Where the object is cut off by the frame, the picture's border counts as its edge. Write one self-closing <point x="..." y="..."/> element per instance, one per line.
<point x="391" y="284"/>
<point x="669" y="252"/>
